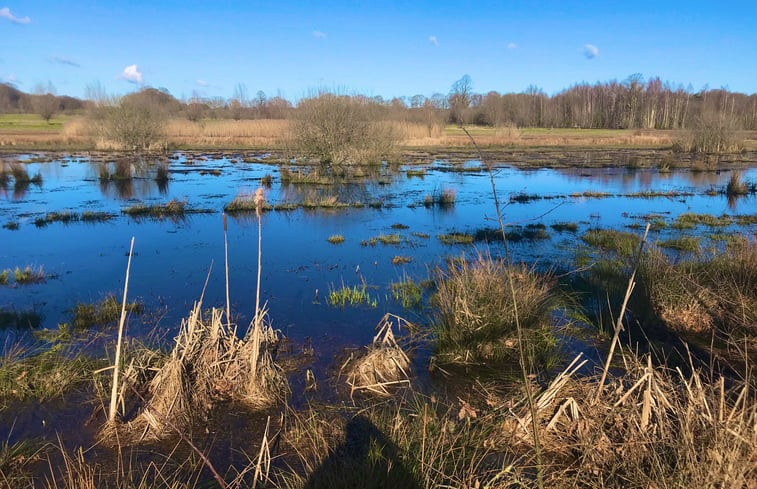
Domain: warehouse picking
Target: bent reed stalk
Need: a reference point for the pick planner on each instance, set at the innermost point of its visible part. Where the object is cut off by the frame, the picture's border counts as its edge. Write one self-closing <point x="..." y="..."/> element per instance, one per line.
<point x="116" y="365"/>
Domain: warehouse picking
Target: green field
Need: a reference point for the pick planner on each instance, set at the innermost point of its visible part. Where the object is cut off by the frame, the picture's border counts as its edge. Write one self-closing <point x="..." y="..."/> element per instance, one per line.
<point x="31" y="122"/>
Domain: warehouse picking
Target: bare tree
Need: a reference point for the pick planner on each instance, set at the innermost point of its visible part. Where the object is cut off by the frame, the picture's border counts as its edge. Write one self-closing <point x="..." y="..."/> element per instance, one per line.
<point x="460" y="99"/>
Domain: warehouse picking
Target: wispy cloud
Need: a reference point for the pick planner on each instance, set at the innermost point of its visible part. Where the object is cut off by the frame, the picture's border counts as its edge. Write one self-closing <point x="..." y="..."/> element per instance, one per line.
<point x="132" y="74"/>
<point x="319" y="35"/>
<point x="5" y="13"/>
<point x="511" y="46"/>
<point x="202" y="83"/>
<point x="433" y="40"/>
<point x="64" y="61"/>
<point x="590" y="51"/>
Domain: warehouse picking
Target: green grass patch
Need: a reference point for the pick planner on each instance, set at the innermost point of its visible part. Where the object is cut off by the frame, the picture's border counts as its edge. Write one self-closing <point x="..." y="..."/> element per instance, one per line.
<point x="31" y="122"/>
<point x="681" y="243"/>
<point x="103" y="313"/>
<point x="335" y="239"/>
<point x="350" y="296"/>
<point x="691" y="220"/>
<point x="561" y="227"/>
<point x="476" y="309"/>
<point x="625" y="244"/>
<point x="407" y="292"/>
<point x="456" y="238"/>
<point x="43" y="375"/>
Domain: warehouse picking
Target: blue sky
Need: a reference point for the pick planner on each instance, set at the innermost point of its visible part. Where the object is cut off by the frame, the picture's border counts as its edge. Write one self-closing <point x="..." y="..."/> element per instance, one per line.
<point x="375" y="48"/>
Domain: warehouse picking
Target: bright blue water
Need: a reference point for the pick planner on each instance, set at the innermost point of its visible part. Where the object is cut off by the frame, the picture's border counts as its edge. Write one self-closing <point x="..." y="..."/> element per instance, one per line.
<point x="172" y="258"/>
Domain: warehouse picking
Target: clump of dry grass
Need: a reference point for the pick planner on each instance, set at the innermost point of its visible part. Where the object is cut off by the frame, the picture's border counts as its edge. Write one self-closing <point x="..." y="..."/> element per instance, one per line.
<point x="704" y="291"/>
<point x="476" y="314"/>
<point x="209" y="363"/>
<point x="651" y="427"/>
<point x="384" y="364"/>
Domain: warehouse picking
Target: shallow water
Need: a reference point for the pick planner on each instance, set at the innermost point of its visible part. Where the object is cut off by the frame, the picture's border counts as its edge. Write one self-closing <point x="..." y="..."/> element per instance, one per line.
<point x="172" y="257"/>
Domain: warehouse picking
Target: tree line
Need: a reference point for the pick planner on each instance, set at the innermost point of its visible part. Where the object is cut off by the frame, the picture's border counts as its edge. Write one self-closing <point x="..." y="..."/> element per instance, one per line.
<point x="634" y="103"/>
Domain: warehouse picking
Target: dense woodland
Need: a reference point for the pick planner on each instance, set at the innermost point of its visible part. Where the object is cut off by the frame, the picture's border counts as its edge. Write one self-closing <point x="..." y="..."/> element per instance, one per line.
<point x="632" y="103"/>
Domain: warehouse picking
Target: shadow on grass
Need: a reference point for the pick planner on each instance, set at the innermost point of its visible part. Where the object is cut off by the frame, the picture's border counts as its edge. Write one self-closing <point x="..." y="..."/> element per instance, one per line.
<point x="366" y="459"/>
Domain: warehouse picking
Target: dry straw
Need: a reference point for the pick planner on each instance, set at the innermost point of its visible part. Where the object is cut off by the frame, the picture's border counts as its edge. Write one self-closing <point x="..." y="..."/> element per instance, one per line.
<point x="384" y="365"/>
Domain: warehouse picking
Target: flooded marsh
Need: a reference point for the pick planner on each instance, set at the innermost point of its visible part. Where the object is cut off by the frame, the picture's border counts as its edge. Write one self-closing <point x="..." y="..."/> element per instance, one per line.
<point x="344" y="250"/>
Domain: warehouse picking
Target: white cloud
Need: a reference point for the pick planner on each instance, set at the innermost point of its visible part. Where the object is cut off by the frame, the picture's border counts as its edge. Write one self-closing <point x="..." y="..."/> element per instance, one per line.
<point x="511" y="46"/>
<point x="202" y="83"/>
<point x="132" y="74"/>
<point x="433" y="40"/>
<point x="590" y="51"/>
<point x="5" y="13"/>
<point x="64" y="61"/>
<point x="319" y="35"/>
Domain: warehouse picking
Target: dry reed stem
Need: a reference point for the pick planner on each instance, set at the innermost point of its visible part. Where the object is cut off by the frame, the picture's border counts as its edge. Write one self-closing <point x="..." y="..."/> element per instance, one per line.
<point x="116" y="364"/>
<point x="210" y="363"/>
<point x="384" y="364"/>
<point x="619" y="323"/>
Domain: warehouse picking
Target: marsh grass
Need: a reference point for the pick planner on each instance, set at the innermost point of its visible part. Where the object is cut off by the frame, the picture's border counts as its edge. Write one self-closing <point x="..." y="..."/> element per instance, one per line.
<point x="66" y="217"/>
<point x="210" y="363"/>
<point x="681" y="243"/>
<point x="690" y="220"/>
<point x="383" y="366"/>
<point x="17" y="461"/>
<point x="386" y="239"/>
<point x="624" y="244"/>
<point x="350" y="296"/>
<point x="736" y="186"/>
<point x="445" y="198"/>
<point x="407" y="292"/>
<point x="4" y="277"/>
<point x="29" y="275"/>
<point x="173" y="209"/>
<point x="456" y="238"/>
<point x="96" y="216"/>
<point x="476" y="314"/>
<point x="703" y="291"/>
<point x="335" y="239"/>
<point x="244" y="203"/>
<point x="103" y="313"/>
<point x="401" y="259"/>
<point x="43" y="374"/>
<point x="11" y="226"/>
<point x="571" y="227"/>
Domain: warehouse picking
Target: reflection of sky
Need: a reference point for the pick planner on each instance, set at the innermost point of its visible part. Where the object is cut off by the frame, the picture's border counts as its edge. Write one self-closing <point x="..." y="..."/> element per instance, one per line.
<point x="173" y="257"/>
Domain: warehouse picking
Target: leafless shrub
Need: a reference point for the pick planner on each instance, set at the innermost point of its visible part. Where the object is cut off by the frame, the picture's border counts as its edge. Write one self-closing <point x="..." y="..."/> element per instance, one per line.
<point x="343" y="130"/>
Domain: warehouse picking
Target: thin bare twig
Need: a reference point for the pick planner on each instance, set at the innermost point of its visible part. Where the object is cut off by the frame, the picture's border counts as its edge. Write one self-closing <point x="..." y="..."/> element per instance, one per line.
<point x="521" y="351"/>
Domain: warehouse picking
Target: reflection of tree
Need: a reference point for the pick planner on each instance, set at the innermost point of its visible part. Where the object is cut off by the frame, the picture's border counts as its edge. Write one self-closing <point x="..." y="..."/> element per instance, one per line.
<point x="366" y="459"/>
<point x="129" y="179"/>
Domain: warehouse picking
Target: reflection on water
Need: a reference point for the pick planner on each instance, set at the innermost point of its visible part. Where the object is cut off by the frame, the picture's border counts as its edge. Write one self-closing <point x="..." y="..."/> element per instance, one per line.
<point x="173" y="256"/>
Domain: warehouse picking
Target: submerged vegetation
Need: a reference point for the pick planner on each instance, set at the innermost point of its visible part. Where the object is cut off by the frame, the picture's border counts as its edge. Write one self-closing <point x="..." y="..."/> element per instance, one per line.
<point x="103" y="313"/>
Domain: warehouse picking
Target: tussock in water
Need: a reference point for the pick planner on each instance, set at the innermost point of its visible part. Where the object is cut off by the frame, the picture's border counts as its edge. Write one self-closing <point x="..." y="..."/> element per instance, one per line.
<point x="384" y="365"/>
<point x="209" y="363"/>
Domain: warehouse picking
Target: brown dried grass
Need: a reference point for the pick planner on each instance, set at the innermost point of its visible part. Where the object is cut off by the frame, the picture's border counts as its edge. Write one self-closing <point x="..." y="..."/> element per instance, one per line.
<point x="384" y="365"/>
<point x="209" y="363"/>
<point x="651" y="427"/>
